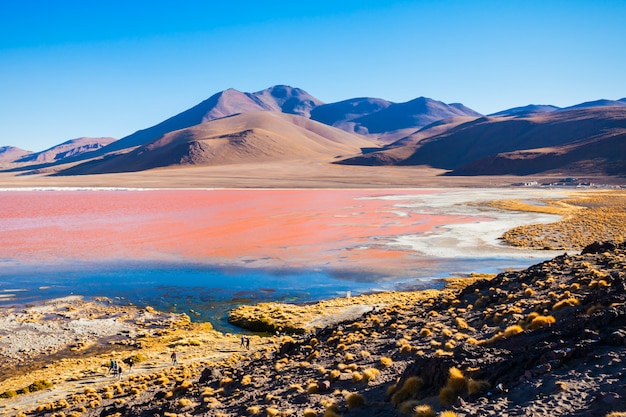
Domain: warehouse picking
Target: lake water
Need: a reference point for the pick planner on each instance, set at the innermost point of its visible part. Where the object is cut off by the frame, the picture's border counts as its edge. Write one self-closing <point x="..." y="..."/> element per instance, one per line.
<point x="204" y="251"/>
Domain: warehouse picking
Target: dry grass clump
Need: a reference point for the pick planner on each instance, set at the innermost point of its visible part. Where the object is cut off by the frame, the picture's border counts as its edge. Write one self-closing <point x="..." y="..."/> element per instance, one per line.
<point x="477" y="386"/>
<point x="272" y="412"/>
<point x="562" y="385"/>
<point x="370" y="374"/>
<point x="456" y="380"/>
<point x="184" y="402"/>
<point x="182" y="387"/>
<point x="568" y="302"/>
<point x="407" y="407"/>
<point x="355" y="400"/>
<point x="409" y="390"/>
<point x="423" y="410"/>
<point x="253" y="410"/>
<point x="34" y="387"/>
<point x="386" y="361"/>
<point x="456" y="384"/>
<point x="541" y="321"/>
<point x="513" y="330"/>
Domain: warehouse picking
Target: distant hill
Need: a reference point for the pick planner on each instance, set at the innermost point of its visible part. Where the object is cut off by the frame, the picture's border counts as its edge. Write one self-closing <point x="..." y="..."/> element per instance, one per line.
<point x="11" y="153"/>
<point x="240" y="139"/>
<point x="416" y="113"/>
<point x="403" y="148"/>
<point x="381" y="118"/>
<point x="68" y="149"/>
<point x="531" y="108"/>
<point x="598" y="103"/>
<point x="343" y="113"/>
<point x="589" y="140"/>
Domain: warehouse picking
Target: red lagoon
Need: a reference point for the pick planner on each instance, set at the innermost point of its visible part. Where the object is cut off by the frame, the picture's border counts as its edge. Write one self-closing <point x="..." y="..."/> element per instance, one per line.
<point x="343" y="229"/>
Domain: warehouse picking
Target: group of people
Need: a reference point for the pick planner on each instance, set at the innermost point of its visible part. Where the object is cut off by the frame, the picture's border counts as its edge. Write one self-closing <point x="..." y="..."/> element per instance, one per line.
<point x="245" y="341"/>
<point x="115" y="369"/>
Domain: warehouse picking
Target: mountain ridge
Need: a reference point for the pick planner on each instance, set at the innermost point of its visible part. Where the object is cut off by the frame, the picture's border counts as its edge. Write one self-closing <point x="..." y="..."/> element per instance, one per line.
<point x="572" y="140"/>
<point x="421" y="131"/>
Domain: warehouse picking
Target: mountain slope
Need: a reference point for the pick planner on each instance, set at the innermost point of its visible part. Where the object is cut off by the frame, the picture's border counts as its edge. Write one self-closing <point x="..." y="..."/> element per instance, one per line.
<point x="225" y="103"/>
<point x="11" y="153"/>
<point x="531" y="108"/>
<point x="68" y="149"/>
<point x="342" y="113"/>
<point x="597" y="103"/>
<point x="578" y="137"/>
<point x="240" y="139"/>
<point x="416" y="113"/>
<point x="401" y="149"/>
<point x="601" y="156"/>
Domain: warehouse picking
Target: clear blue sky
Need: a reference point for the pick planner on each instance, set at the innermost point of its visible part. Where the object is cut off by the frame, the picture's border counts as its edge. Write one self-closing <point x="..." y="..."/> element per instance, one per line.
<point x="109" y="68"/>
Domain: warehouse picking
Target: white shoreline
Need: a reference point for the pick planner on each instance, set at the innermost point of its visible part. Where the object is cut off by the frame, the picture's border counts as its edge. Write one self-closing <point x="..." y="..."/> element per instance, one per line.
<point x="474" y="239"/>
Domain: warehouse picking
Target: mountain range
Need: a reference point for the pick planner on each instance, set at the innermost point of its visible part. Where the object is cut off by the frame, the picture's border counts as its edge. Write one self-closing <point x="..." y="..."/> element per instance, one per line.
<point x="287" y="124"/>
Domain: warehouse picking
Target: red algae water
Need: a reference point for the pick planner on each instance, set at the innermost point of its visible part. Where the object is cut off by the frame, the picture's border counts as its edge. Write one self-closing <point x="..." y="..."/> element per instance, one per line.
<point x="277" y="228"/>
<point x="207" y="250"/>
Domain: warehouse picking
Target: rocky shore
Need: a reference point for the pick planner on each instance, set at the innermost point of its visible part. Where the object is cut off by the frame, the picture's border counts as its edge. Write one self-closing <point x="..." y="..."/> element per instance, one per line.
<point x="548" y="340"/>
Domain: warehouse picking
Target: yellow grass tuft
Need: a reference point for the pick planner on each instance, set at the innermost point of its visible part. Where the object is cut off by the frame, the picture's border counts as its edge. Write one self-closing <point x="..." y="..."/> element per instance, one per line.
<point x="541" y="321"/>
<point x="355" y="400"/>
<point x="477" y="386"/>
<point x="410" y="389"/>
<point x="447" y="395"/>
<point x="184" y="402"/>
<point x="370" y="374"/>
<point x="456" y="380"/>
<point x="568" y="302"/>
<point x="253" y="410"/>
<point x="513" y="330"/>
<point x="272" y="412"/>
<point x="423" y="410"/>
<point x="461" y="323"/>
<point x="562" y="385"/>
<point x="407" y="407"/>
<point x="386" y="362"/>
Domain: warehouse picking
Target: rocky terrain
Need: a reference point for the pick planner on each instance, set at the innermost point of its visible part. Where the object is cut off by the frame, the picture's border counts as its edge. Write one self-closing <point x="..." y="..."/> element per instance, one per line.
<point x="548" y="340"/>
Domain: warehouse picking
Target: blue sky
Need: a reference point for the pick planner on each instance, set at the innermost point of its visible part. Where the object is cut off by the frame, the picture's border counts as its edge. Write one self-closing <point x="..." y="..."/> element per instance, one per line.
<point x="83" y="68"/>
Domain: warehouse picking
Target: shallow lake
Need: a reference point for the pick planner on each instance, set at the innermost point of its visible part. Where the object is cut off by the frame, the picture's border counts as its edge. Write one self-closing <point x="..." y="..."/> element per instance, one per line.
<point x="203" y="251"/>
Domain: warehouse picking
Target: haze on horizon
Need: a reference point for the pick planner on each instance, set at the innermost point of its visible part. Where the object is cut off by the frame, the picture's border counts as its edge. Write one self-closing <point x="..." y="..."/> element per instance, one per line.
<point x="71" y="69"/>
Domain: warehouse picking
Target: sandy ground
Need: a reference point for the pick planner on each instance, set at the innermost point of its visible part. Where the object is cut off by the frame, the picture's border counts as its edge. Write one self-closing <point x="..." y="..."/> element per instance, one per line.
<point x="70" y="341"/>
<point x="298" y="174"/>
